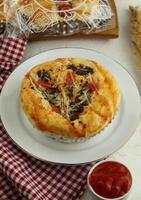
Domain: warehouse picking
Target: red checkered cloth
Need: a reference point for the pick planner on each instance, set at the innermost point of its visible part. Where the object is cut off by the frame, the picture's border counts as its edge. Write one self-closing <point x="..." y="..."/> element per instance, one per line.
<point x="22" y="176"/>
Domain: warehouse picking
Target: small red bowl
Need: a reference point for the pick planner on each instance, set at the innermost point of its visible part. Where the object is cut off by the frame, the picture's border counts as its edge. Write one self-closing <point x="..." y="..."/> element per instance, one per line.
<point x="109" y="180"/>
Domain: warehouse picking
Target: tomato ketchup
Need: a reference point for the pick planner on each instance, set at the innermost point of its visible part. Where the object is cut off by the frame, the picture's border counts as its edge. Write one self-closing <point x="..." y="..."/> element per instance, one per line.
<point x="110" y="179"/>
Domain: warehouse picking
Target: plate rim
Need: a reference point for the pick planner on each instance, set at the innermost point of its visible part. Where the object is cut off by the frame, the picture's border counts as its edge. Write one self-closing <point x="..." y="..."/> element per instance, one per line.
<point x="93" y="51"/>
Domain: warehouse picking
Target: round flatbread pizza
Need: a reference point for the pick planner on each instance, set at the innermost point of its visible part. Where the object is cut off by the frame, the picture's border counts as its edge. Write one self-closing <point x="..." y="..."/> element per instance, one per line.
<point x="70" y="97"/>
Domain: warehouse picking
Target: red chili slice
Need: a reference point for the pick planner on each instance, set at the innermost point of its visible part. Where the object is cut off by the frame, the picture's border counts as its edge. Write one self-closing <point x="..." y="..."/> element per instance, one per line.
<point x="70" y="78"/>
<point x="44" y="84"/>
<point x="55" y="109"/>
<point x="93" y="86"/>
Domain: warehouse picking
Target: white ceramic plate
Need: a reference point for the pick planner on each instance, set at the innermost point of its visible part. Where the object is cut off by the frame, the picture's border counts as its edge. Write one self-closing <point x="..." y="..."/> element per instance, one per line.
<point x="39" y="145"/>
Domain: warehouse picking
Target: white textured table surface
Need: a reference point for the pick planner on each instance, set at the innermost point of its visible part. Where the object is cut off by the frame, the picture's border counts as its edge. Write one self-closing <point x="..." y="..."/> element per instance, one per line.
<point x="119" y="49"/>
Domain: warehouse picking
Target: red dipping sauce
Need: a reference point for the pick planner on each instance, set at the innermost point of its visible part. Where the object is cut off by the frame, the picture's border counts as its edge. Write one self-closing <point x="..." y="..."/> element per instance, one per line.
<point x="110" y="179"/>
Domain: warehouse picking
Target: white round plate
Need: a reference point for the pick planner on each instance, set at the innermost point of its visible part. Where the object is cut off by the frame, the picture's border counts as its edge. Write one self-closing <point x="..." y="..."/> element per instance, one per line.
<point x="39" y="145"/>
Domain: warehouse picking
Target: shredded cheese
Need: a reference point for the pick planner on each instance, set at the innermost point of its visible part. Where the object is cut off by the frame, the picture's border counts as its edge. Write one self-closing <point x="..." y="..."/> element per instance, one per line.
<point x="44" y="102"/>
<point x="65" y="102"/>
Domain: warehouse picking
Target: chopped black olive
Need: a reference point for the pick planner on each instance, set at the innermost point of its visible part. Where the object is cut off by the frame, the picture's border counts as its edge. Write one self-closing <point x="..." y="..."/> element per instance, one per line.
<point x="85" y="103"/>
<point x="71" y="103"/>
<point x="69" y="90"/>
<point x="84" y="70"/>
<point x="79" y="109"/>
<point x="53" y="90"/>
<point x="74" y="114"/>
<point x="81" y="69"/>
<point x="32" y="88"/>
<point x="44" y="75"/>
<point x="71" y="67"/>
<point x="69" y="93"/>
<point x="77" y="99"/>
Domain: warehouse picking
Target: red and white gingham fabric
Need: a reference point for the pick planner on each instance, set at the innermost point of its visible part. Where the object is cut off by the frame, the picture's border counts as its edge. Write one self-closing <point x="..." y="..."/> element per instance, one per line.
<point x="22" y="176"/>
<point x="11" y="53"/>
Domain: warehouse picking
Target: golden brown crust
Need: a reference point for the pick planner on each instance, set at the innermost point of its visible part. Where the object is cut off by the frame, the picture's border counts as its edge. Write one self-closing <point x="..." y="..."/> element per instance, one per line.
<point x="95" y="115"/>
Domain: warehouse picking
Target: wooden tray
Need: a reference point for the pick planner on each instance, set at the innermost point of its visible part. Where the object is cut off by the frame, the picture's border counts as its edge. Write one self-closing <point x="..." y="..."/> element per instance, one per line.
<point x="112" y="33"/>
<point x="115" y="31"/>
